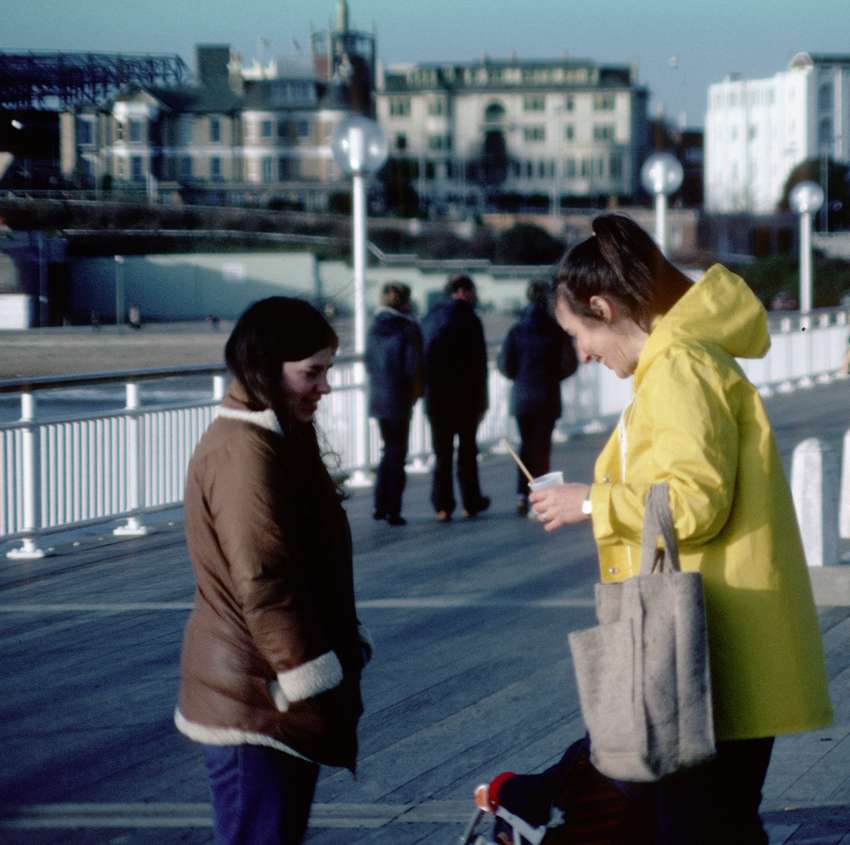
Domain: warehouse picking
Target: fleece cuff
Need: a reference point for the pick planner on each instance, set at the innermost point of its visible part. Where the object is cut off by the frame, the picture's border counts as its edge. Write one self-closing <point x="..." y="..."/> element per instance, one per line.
<point x="316" y="676"/>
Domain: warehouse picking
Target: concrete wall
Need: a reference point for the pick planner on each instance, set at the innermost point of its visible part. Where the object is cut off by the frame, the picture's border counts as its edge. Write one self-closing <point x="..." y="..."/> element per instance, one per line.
<point x="192" y="285"/>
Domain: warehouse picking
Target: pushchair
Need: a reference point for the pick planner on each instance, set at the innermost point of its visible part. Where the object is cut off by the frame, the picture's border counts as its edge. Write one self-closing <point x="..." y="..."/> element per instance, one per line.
<point x="570" y="803"/>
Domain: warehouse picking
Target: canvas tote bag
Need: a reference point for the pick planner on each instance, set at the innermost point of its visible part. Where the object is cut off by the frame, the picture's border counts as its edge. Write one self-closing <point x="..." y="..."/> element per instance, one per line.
<point x="643" y="672"/>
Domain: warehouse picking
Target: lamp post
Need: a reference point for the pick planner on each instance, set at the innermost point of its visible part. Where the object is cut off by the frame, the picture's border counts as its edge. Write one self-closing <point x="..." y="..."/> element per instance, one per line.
<point x="359" y="148"/>
<point x="119" y="290"/>
<point x="661" y="175"/>
<point x="806" y="198"/>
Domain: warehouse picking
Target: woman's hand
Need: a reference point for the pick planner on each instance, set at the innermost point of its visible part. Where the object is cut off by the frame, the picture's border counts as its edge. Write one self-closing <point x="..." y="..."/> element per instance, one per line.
<point x="560" y="504"/>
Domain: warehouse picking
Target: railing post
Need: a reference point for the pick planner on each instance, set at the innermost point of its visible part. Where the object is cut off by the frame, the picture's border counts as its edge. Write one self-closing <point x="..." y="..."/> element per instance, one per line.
<point x="814" y="487"/>
<point x="218" y="386"/>
<point x="135" y="482"/>
<point x="31" y="465"/>
<point x="360" y="477"/>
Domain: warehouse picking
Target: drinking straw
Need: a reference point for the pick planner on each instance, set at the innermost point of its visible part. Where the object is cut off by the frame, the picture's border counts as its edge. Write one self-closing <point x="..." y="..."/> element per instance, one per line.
<point x="515" y="456"/>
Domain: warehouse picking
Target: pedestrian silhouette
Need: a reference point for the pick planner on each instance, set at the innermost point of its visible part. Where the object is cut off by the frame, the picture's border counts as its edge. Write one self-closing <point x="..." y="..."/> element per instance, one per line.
<point x="455" y="395"/>
<point x="536" y="356"/>
<point x="394" y="365"/>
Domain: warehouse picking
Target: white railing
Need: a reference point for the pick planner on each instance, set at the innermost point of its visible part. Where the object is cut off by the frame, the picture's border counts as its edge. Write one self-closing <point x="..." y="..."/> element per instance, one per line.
<point x="121" y="464"/>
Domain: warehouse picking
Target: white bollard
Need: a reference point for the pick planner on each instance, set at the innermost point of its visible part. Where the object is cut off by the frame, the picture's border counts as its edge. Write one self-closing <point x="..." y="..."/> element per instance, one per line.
<point x="814" y="486"/>
<point x="844" y="507"/>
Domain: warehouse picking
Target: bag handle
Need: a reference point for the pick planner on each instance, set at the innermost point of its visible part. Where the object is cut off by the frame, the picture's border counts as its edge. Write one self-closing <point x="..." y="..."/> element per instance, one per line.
<point x="657" y="520"/>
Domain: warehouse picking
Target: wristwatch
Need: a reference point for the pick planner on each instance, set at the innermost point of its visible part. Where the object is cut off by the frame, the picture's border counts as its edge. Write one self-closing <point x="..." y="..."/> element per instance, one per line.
<point x="586" y="507"/>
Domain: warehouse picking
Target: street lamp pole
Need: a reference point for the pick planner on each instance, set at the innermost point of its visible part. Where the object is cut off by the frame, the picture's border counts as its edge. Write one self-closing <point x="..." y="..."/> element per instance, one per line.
<point x="359" y="148"/>
<point x="119" y="290"/>
<point x="806" y="198"/>
<point x="661" y="175"/>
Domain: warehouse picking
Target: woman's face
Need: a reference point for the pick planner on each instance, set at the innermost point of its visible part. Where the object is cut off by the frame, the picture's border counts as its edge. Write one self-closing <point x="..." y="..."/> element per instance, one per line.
<point x="614" y="340"/>
<point x="306" y="382"/>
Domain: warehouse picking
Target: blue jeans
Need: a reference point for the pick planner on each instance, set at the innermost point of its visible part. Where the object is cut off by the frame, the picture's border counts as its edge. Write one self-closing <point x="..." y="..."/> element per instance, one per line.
<point x="391" y="477"/>
<point x="260" y="796"/>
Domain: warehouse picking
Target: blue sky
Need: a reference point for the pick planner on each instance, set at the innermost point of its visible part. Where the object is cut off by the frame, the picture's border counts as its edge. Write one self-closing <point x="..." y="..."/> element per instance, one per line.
<point x="707" y="39"/>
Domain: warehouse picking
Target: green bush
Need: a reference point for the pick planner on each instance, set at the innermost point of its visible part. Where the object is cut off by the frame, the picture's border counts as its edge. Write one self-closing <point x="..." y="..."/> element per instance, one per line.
<point x="777" y="274"/>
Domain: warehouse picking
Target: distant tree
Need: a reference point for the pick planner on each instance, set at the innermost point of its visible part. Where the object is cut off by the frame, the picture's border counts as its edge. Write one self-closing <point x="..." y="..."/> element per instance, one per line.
<point x="836" y="185"/>
<point x="525" y="243"/>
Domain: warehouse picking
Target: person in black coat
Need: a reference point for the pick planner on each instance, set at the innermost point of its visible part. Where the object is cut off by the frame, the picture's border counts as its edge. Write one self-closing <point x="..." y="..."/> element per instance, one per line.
<point x="455" y="395"/>
<point x="537" y="356"/>
<point x="394" y="366"/>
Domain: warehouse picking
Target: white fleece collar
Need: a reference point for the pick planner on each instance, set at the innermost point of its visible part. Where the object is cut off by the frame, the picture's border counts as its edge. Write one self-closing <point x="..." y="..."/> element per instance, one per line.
<point x="265" y="419"/>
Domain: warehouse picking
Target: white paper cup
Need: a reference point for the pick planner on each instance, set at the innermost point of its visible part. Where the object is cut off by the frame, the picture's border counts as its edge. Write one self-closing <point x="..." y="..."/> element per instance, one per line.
<point x="548" y="480"/>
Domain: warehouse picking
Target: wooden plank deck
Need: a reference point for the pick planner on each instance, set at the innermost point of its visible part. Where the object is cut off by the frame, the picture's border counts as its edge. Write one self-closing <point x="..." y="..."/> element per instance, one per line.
<point x="471" y="675"/>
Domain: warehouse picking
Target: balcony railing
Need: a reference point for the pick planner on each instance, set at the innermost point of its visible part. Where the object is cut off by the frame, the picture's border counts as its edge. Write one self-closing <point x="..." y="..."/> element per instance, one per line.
<point x="64" y="468"/>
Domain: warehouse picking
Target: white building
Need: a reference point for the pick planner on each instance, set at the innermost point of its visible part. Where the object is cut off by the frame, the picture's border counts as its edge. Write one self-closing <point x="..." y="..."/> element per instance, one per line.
<point x="758" y="130"/>
<point x="514" y="129"/>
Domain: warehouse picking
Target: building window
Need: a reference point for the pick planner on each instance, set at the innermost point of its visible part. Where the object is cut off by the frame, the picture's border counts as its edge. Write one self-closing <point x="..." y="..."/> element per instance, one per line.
<point x="534" y="134"/>
<point x="569" y="103"/>
<point x="534" y="102"/>
<point x="437" y="107"/>
<point x="825" y="97"/>
<point x="122" y="168"/>
<point x="215" y="130"/>
<point x="584" y="169"/>
<point x="401" y="141"/>
<point x="570" y="168"/>
<point x="119" y="130"/>
<point x="266" y="128"/>
<point x="439" y="142"/>
<point x="825" y="134"/>
<point x="598" y="167"/>
<point x="135" y="130"/>
<point x="615" y="166"/>
<point x="604" y="102"/>
<point x="186" y="167"/>
<point x="85" y="133"/>
<point x="268" y="170"/>
<point x="429" y="170"/>
<point x="603" y="132"/>
<point x="541" y="169"/>
<point x="287" y="168"/>
<point x="302" y="127"/>
<point x="569" y="132"/>
<point x="184" y="130"/>
<point x="137" y="173"/>
<point x="215" y="169"/>
<point x="399" y="106"/>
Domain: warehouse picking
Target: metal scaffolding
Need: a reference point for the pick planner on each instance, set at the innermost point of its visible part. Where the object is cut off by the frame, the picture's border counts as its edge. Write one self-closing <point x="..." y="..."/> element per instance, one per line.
<point x="52" y="80"/>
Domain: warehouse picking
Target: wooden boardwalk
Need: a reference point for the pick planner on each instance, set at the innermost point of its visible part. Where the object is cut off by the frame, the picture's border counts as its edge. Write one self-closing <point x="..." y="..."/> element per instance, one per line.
<point x="471" y="674"/>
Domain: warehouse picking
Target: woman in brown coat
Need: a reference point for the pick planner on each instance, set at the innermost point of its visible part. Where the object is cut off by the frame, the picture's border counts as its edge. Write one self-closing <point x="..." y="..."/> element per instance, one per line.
<point x="273" y="651"/>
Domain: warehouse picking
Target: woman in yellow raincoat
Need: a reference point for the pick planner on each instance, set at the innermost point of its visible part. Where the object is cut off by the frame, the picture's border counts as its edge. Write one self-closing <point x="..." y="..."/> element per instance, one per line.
<point x="696" y="422"/>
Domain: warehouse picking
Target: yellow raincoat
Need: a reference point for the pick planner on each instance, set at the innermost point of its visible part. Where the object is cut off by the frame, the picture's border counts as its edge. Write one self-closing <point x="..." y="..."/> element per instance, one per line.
<point x="697" y="423"/>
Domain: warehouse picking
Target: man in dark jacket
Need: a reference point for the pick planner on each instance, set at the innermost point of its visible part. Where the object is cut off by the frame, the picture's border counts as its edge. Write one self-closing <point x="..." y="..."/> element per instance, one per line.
<point x="394" y="365"/>
<point x="455" y="395"/>
<point x="537" y="356"/>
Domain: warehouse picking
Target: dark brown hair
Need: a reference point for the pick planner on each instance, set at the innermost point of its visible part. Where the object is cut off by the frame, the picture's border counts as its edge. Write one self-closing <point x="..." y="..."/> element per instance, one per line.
<point x="622" y="263"/>
<point x="395" y="295"/>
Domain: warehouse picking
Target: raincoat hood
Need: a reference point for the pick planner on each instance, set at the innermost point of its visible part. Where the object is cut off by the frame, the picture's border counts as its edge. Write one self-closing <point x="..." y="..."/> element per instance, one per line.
<point x="720" y="309"/>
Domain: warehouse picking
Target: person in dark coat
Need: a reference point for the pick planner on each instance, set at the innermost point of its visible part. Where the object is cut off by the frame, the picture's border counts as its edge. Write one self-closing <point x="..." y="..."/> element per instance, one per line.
<point x="394" y="365"/>
<point x="537" y="356"/>
<point x="455" y="395"/>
